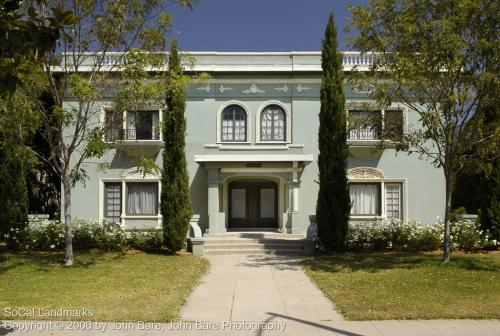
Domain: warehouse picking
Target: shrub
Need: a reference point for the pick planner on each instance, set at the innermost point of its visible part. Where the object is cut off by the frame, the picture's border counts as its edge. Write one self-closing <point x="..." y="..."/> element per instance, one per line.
<point x="49" y="235"/>
<point x="147" y="241"/>
<point x="397" y="235"/>
<point x="44" y="235"/>
<point x="92" y="234"/>
<point x="467" y="235"/>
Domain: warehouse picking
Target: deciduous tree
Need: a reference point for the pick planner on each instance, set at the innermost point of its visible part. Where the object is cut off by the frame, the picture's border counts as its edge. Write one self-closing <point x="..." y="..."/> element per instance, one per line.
<point x="439" y="59"/>
<point x="109" y="43"/>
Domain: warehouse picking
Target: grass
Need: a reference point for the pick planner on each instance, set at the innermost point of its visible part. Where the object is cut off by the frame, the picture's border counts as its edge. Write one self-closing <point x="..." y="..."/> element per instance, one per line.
<point x="115" y="286"/>
<point x="380" y="286"/>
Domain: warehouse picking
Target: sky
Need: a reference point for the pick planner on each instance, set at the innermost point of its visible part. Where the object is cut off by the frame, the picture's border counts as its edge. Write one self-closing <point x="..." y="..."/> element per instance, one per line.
<point x="259" y="25"/>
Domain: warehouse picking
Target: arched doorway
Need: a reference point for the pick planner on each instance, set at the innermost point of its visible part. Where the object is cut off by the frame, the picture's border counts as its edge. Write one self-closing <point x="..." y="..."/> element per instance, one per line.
<point x="253" y="204"/>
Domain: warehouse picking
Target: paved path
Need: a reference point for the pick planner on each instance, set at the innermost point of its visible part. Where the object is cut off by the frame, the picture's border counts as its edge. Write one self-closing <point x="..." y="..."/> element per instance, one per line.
<point x="258" y="296"/>
<point x="257" y="288"/>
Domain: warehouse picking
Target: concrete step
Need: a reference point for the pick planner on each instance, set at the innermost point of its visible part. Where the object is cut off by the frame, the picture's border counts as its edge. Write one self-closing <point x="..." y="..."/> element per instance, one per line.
<point x="254" y="235"/>
<point x="254" y="252"/>
<point x="297" y="247"/>
<point x="239" y="241"/>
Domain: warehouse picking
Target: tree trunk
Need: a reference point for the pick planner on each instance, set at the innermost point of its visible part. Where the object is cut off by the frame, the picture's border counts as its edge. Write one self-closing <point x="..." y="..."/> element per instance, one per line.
<point x="447" y="213"/>
<point x="67" y="219"/>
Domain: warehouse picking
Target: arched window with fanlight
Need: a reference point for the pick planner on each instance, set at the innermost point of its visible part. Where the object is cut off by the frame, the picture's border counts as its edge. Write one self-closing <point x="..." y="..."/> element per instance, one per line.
<point x="273" y="123"/>
<point x="234" y="124"/>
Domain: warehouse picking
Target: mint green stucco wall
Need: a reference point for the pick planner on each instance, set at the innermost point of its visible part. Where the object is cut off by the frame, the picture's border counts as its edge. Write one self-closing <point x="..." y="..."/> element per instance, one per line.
<point x="424" y="183"/>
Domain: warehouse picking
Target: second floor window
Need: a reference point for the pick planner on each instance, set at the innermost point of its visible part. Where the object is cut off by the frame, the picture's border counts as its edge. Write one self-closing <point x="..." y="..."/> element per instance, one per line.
<point x="234" y="124"/>
<point x="114" y="125"/>
<point x="273" y="124"/>
<point x="139" y="125"/>
<point x="376" y="125"/>
<point x="142" y="125"/>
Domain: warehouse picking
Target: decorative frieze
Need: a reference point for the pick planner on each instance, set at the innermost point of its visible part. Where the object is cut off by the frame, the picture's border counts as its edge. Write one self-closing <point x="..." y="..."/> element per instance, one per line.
<point x="364" y="173"/>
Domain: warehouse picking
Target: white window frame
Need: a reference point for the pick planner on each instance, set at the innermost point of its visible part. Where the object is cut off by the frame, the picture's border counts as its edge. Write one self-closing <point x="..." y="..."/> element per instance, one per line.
<point x="219" y="123"/>
<point x="288" y="123"/>
<point x="371" y="105"/>
<point x="383" y="181"/>
<point x="124" y="180"/>
<point x="102" y="121"/>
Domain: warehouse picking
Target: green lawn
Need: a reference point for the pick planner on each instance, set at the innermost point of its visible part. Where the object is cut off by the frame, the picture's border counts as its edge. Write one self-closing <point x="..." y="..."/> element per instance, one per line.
<point x="374" y="286"/>
<point x="116" y="286"/>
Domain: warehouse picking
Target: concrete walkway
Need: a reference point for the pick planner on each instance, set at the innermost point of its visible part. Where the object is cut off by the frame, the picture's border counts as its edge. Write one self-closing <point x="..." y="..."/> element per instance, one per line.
<point x="257" y="296"/>
<point x="257" y="288"/>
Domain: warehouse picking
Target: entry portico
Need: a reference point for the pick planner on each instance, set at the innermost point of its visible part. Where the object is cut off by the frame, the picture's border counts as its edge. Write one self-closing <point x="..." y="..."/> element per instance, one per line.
<point x="253" y="191"/>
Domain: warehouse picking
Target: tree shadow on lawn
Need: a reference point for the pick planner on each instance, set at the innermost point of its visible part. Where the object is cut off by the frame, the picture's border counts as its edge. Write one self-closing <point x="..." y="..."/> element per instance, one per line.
<point x="45" y="261"/>
<point x="377" y="262"/>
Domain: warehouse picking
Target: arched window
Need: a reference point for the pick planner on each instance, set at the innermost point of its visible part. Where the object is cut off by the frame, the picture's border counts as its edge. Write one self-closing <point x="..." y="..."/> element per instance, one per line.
<point x="273" y="124"/>
<point x="234" y="124"/>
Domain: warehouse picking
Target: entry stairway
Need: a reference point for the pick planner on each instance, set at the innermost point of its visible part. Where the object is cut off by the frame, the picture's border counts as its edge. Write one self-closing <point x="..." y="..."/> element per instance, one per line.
<point x="252" y="242"/>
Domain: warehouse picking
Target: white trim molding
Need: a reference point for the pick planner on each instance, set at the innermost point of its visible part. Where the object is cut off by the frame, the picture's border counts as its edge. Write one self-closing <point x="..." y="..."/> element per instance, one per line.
<point x="129" y="175"/>
<point x="254" y="158"/>
<point x="373" y="175"/>
<point x="364" y="173"/>
<point x="248" y="122"/>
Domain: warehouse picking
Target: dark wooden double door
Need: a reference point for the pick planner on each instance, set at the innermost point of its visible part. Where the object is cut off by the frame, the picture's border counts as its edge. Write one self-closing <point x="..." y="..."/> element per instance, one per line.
<point x="253" y="205"/>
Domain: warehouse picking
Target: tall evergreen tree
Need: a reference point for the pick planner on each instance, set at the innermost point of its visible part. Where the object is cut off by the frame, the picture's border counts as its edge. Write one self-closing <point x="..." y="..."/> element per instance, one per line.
<point x="332" y="210"/>
<point x="175" y="202"/>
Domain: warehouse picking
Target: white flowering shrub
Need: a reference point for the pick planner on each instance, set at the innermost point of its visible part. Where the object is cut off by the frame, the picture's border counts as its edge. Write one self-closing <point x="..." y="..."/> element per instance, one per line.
<point x="397" y="235"/>
<point x="101" y="235"/>
<point x="44" y="235"/>
<point x="48" y="235"/>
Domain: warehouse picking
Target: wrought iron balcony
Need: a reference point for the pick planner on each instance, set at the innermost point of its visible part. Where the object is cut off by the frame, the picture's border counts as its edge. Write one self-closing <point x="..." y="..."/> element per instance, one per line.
<point x="133" y="136"/>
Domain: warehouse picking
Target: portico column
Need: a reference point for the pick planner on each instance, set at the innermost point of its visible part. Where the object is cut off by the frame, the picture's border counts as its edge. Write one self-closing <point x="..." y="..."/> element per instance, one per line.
<point x="216" y="222"/>
<point x="294" y="185"/>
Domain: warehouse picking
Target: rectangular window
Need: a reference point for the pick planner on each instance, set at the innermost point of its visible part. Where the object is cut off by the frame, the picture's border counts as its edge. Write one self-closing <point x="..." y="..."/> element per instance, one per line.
<point x="365" y="199"/>
<point x="393" y="125"/>
<point x="142" y="125"/>
<point x="112" y="201"/>
<point x="114" y="125"/>
<point x="364" y="125"/>
<point x="142" y="198"/>
<point x="393" y="200"/>
<point x="369" y="125"/>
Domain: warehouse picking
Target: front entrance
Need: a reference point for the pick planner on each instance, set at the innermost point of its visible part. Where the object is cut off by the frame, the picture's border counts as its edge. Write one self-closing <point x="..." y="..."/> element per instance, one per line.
<point x="253" y="204"/>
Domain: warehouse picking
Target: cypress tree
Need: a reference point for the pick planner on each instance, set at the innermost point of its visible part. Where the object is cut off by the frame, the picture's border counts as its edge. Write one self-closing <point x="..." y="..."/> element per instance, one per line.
<point x="333" y="206"/>
<point x="13" y="163"/>
<point x="175" y="202"/>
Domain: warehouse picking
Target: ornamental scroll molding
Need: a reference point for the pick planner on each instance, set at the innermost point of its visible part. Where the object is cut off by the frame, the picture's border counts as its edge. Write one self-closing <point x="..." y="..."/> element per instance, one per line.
<point x="253" y="89"/>
<point x="134" y="174"/>
<point x="364" y="173"/>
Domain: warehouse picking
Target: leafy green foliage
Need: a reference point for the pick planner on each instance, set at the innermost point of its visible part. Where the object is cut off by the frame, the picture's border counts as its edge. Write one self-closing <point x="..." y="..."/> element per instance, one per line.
<point x="414" y="236"/>
<point x="128" y="35"/>
<point x="440" y="60"/>
<point x="333" y="205"/>
<point x="18" y="121"/>
<point x="26" y="37"/>
<point x="147" y="241"/>
<point x="175" y="201"/>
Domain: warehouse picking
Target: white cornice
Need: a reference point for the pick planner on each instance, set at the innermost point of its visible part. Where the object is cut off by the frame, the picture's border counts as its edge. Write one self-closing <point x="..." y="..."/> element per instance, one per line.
<point x="254" y="158"/>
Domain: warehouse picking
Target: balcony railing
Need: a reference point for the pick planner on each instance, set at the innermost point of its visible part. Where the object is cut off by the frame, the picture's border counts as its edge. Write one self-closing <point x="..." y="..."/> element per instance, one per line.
<point x="204" y="61"/>
<point x="131" y="134"/>
<point x="364" y="134"/>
